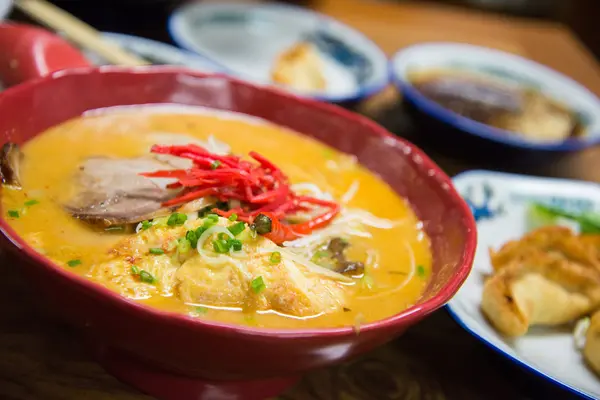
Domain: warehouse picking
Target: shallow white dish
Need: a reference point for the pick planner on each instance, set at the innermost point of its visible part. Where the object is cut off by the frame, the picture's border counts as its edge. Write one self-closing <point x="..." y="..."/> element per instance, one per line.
<point x="500" y="66"/>
<point x="245" y="40"/>
<point x="501" y="217"/>
<point x="5" y="8"/>
<point x="156" y="52"/>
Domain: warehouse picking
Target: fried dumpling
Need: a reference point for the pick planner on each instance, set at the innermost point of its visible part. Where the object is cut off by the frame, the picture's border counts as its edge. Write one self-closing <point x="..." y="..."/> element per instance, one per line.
<point x="551" y="239"/>
<point x="591" y="349"/>
<point x="543" y="288"/>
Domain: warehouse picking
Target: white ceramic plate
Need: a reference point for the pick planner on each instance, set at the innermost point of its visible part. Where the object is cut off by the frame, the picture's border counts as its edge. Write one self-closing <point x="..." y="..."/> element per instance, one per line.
<point x="506" y="68"/>
<point x="246" y="39"/>
<point x="501" y="217"/>
<point x="156" y="52"/>
<point x="5" y="8"/>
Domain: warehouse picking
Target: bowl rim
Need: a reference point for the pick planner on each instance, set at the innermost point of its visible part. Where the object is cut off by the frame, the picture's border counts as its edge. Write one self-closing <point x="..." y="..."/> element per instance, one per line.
<point x="480" y="129"/>
<point x="411" y="314"/>
<point x="362" y="91"/>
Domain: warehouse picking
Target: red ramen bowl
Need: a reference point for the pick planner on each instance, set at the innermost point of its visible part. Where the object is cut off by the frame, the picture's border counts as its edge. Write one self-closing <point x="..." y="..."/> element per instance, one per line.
<point x="173" y="356"/>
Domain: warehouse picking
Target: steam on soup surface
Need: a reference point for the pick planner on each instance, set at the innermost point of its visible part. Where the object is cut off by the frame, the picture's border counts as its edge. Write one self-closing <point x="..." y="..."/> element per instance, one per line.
<point x="247" y="222"/>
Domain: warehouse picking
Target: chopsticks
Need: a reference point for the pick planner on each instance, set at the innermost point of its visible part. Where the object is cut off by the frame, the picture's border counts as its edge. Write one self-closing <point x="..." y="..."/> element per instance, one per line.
<point x="78" y="32"/>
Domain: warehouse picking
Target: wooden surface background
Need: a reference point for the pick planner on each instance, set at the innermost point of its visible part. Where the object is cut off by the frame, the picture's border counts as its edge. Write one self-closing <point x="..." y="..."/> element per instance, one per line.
<point x="42" y="359"/>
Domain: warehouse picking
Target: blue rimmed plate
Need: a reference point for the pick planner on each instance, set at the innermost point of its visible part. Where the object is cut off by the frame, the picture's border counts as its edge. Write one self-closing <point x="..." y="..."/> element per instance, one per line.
<point x="156" y="52"/>
<point x="245" y="41"/>
<point x="500" y="203"/>
<point x="497" y="66"/>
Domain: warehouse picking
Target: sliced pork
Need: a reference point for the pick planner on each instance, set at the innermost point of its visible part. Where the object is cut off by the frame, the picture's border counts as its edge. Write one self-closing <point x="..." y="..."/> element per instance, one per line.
<point x="111" y="191"/>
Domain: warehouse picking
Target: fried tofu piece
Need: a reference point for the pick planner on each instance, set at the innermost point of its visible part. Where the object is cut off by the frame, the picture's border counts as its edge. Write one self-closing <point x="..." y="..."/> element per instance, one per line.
<point x="288" y="287"/>
<point x="300" y="67"/>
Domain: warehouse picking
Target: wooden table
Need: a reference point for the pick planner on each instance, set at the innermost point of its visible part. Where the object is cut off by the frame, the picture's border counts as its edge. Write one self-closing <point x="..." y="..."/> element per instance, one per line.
<point x="42" y="359"/>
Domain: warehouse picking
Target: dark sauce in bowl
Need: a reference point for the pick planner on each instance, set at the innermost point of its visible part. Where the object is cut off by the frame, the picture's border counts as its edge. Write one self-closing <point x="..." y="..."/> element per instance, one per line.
<point x="522" y="111"/>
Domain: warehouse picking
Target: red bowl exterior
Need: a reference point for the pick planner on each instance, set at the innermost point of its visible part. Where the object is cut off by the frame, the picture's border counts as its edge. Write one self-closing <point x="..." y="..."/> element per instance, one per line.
<point x="192" y="347"/>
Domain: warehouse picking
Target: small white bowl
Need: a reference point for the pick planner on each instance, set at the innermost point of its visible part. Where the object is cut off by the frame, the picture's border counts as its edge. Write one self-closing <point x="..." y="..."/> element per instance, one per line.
<point x="156" y="52"/>
<point x="504" y="67"/>
<point x="246" y="39"/>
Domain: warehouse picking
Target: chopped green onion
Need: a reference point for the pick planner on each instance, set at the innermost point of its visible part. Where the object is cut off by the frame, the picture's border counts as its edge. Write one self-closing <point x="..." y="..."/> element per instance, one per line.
<point x="146" y="225"/>
<point x="233" y="217"/>
<point x="421" y="270"/>
<point x="237" y="228"/>
<point x="275" y="257"/>
<point x="116" y="228"/>
<point x="215" y="164"/>
<point x="156" y="251"/>
<point x="235" y="244"/>
<point x="177" y="219"/>
<point x="223" y="236"/>
<point x="31" y="202"/>
<point x="183" y="245"/>
<point x="146" y="277"/>
<point x="13" y="213"/>
<point x="201" y="310"/>
<point x="135" y="270"/>
<point x="200" y="231"/>
<point x="258" y="285"/>
<point x="221" y="246"/>
<point x="192" y="237"/>
<point x="73" y="263"/>
<point x="214" y="218"/>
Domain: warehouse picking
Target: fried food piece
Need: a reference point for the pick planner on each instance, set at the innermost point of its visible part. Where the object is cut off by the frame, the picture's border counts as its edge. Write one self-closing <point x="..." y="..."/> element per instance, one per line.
<point x="550" y="276"/>
<point x="591" y="350"/>
<point x="300" y="67"/>
<point x="543" y="289"/>
<point x="583" y="249"/>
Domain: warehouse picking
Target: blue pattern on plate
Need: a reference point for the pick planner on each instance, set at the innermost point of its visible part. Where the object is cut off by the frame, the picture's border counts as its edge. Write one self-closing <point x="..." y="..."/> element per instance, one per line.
<point x="484" y="210"/>
<point x="360" y="66"/>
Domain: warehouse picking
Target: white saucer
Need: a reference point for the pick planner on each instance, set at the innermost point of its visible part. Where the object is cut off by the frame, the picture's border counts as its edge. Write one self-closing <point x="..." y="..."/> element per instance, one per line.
<point x="550" y="353"/>
<point x="156" y="52"/>
<point x="246" y="39"/>
<point x="5" y="8"/>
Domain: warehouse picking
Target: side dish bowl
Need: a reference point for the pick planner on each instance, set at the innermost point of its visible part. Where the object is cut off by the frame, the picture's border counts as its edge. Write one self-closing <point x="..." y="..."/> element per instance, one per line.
<point x="499" y="67"/>
<point x="175" y="356"/>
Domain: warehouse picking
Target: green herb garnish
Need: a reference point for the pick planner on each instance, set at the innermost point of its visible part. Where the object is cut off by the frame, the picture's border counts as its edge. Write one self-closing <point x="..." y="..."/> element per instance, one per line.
<point x="235" y="244"/>
<point x="421" y="271"/>
<point x="135" y="270"/>
<point x="73" y="263"/>
<point x="146" y="277"/>
<point x="146" y="225"/>
<point x="177" y="219"/>
<point x="156" y="251"/>
<point x="237" y="228"/>
<point x="275" y="257"/>
<point x="215" y="164"/>
<point x="31" y="202"/>
<point x="258" y="285"/>
<point x="221" y="246"/>
<point x="13" y="213"/>
<point x="192" y="237"/>
<point x="233" y="217"/>
<point x="183" y="245"/>
<point x="201" y="310"/>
